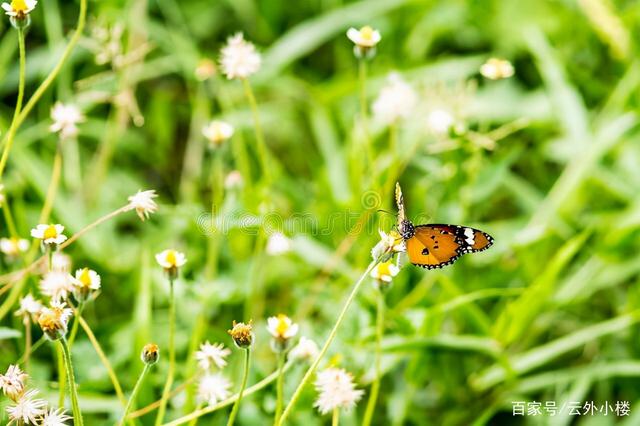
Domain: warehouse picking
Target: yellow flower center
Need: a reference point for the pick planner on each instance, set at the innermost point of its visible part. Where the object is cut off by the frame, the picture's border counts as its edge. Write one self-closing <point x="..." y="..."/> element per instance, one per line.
<point x="19" y="6"/>
<point x="50" y="232"/>
<point x="85" y="277"/>
<point x="366" y="33"/>
<point x="171" y="258"/>
<point x="282" y="326"/>
<point x="384" y="269"/>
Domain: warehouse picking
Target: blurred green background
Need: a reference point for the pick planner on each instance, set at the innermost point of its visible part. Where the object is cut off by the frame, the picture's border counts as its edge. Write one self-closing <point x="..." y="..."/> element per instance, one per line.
<point x="548" y="164"/>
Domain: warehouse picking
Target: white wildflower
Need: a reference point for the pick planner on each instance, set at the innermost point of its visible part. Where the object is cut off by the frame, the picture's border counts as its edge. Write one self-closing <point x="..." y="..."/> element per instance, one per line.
<point x="29" y="308"/>
<point x="13" y="246"/>
<point x="440" y="121"/>
<point x="396" y="100"/>
<point x="306" y="349"/>
<point x="239" y="58"/>
<point x="27" y="410"/>
<point x="210" y="355"/>
<point x="55" y="417"/>
<point x="337" y="390"/>
<point x="56" y="284"/>
<point x="13" y="382"/>
<point x="278" y="244"/>
<point x="19" y="8"/>
<point x="213" y="388"/>
<point x="496" y="69"/>
<point x="364" y="37"/>
<point x="49" y="234"/>
<point x="217" y="132"/>
<point x="65" y="119"/>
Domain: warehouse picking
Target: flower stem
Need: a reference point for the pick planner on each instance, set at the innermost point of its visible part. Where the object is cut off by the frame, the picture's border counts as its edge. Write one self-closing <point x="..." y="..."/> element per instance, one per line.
<point x="27" y="343"/>
<point x="325" y="347"/>
<point x="45" y="84"/>
<point x="245" y="376"/>
<point x="375" y="386"/>
<point x="263" y="154"/>
<point x="77" y="415"/>
<point x="280" y="386"/>
<point x="335" y="419"/>
<point x="105" y="361"/>
<point x="74" y="328"/>
<point x="16" y="113"/>
<point x="134" y="393"/>
<point x="362" y="75"/>
<point x="172" y="356"/>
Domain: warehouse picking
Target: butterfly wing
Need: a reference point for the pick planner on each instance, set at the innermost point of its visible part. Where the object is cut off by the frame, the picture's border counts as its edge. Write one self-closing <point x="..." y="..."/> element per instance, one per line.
<point x="437" y="245"/>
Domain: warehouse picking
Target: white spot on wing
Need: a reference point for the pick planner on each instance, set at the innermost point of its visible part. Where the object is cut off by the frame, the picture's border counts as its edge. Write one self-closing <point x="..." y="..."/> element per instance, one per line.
<point x="469" y="236"/>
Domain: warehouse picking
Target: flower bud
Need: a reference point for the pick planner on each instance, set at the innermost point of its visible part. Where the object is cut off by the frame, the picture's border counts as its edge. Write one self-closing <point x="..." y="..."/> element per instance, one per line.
<point x="242" y="334"/>
<point x="150" y="354"/>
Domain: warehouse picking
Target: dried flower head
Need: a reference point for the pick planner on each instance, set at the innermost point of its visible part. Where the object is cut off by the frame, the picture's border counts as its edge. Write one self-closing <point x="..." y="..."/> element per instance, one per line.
<point x="150" y="354"/>
<point x="306" y="349"/>
<point x="49" y="234"/>
<point x="213" y="388"/>
<point x="55" y="417"/>
<point x="85" y="282"/>
<point x="337" y="390"/>
<point x="396" y="100"/>
<point x="239" y="58"/>
<point x="27" y="410"/>
<point x="54" y="320"/>
<point x="242" y="334"/>
<point x="142" y="202"/>
<point x="13" y="382"/>
<point x="12" y="247"/>
<point x="210" y="355"/>
<point x="29" y="308"/>
<point x="496" y="69"/>
<point x="65" y="120"/>
<point x="278" y="244"/>
<point x="217" y="132"/>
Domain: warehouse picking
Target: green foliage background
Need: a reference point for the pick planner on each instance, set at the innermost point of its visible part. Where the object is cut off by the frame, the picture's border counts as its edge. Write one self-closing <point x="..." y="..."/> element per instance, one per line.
<point x="548" y="314"/>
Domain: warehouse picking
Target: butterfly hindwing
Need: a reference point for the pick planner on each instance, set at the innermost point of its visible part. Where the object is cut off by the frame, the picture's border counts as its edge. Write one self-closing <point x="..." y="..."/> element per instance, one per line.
<point x="437" y="245"/>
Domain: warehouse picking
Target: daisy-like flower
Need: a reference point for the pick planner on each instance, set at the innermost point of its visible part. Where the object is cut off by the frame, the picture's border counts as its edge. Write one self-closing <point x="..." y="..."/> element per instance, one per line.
<point x="56" y="284"/>
<point x="440" y="121"/>
<point x="278" y="244"/>
<point x="13" y="246"/>
<point x="217" y="132"/>
<point x="364" y="37"/>
<point x="396" y="100"/>
<point x="306" y="349"/>
<point x="27" y="410"/>
<point x="65" y="119"/>
<point x="282" y="329"/>
<point x="388" y="245"/>
<point x="13" y="382"/>
<point x="496" y="69"/>
<point x="54" y="320"/>
<point x="385" y="271"/>
<point x="29" y="308"/>
<point x="365" y="40"/>
<point x="150" y="354"/>
<point x="239" y="58"/>
<point x="85" y="282"/>
<point x="337" y="390"/>
<point x="210" y="355"/>
<point x="49" y="234"/>
<point x="171" y="260"/>
<point x="142" y="202"/>
<point x="55" y="417"/>
<point x="241" y="334"/>
<point x="19" y="8"/>
<point x="213" y="388"/>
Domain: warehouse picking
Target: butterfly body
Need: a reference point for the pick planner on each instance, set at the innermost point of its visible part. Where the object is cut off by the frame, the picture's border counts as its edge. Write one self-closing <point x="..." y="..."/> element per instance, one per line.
<point x="436" y="245"/>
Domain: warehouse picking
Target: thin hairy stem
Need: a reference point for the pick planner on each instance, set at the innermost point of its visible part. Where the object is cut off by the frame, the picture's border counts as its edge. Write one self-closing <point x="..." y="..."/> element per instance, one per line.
<point x="375" y="386"/>
<point x="71" y="382"/>
<point x="245" y="377"/>
<point x="172" y="356"/>
<point x="134" y="393"/>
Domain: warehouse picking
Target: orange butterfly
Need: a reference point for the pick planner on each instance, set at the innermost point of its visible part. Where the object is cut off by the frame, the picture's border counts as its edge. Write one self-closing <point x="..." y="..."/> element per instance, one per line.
<point x="436" y="245"/>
